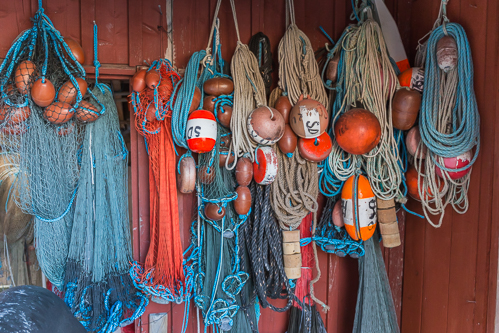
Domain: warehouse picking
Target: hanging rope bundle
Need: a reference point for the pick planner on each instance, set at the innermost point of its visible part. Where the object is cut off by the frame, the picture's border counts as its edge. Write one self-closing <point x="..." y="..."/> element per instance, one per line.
<point x="259" y="44"/>
<point x="42" y="85"/>
<point x="449" y="122"/>
<point x="249" y="93"/>
<point x="164" y="274"/>
<point x="98" y="288"/>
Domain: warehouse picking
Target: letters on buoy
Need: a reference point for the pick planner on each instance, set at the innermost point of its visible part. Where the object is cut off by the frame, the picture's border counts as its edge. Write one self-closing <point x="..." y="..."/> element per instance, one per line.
<point x="201" y="131"/>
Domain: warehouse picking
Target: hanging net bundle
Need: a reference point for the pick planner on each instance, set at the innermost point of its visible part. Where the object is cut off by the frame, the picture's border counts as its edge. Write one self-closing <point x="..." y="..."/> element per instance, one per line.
<point x="41" y="112"/>
<point x="98" y="287"/>
<point x="163" y="275"/>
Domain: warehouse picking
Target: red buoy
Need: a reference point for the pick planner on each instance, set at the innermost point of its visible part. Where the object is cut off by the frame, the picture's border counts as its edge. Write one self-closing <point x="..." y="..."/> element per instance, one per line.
<point x="317" y="149"/>
<point x="265" y="165"/>
<point x="201" y="131"/>
<point x="43" y="93"/>
<point x="244" y="171"/>
<point x="457" y="162"/>
<point x="287" y="144"/>
<point x="242" y="204"/>
<point x="265" y="125"/>
<point x="357" y="131"/>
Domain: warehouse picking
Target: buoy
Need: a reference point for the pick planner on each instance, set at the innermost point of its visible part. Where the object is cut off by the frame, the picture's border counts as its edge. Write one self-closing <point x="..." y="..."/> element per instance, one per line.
<point x="17" y="129"/>
<point x="287" y="144"/>
<point x="14" y="115"/>
<point x="58" y="112"/>
<point x="225" y="141"/>
<point x="68" y="93"/>
<point x="196" y="100"/>
<point x="75" y="49"/>
<point x="388" y="225"/>
<point x="265" y="165"/>
<point x="405" y="108"/>
<point x="357" y="131"/>
<point x="457" y="162"/>
<point x="43" y="93"/>
<point x="332" y="68"/>
<point x="412" y="179"/>
<point x="338" y="215"/>
<point x="201" y="131"/>
<point x="308" y="118"/>
<point x="413" y="78"/>
<point x="242" y="204"/>
<point x="151" y="112"/>
<point x="244" y="171"/>
<point x="359" y="207"/>
<point x="218" y="86"/>
<point x="86" y="112"/>
<point x="209" y="103"/>
<point x="139" y="81"/>
<point x="213" y="211"/>
<point x="412" y="141"/>
<point x="222" y="158"/>
<point x="206" y="175"/>
<point x="152" y="79"/>
<point x="283" y="105"/>
<point x="224" y="114"/>
<point x="317" y="149"/>
<point x="265" y="125"/>
<point x="447" y="53"/>
<point x="186" y="180"/>
<point x="24" y="76"/>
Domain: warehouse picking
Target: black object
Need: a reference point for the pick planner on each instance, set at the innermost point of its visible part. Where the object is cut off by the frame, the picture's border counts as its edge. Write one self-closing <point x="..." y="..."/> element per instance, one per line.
<point x="31" y="309"/>
<point x="259" y="44"/>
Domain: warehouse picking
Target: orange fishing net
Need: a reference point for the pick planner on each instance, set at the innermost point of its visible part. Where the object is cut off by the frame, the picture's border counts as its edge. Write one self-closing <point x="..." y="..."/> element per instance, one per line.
<point x="163" y="265"/>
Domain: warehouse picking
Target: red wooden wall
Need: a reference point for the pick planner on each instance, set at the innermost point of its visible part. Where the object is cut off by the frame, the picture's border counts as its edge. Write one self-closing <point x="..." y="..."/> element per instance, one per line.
<point x="448" y="275"/>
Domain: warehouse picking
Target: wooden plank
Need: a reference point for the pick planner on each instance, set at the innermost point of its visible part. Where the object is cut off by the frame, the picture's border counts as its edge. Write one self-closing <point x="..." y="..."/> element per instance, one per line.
<point x="396" y="267"/>
<point x="87" y="16"/>
<point x="112" y="19"/>
<point x="135" y="33"/>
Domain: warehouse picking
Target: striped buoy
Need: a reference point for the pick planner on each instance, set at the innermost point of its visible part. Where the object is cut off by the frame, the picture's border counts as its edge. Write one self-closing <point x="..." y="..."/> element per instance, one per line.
<point x="265" y="165"/>
<point x="359" y="207"/>
<point x="201" y="131"/>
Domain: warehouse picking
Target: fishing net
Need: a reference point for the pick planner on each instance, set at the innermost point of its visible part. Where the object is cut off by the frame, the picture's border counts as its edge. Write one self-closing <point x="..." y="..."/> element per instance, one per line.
<point x="43" y="141"/>
<point x="334" y="239"/>
<point x="98" y="287"/>
<point x="375" y="310"/>
<point x="164" y="274"/>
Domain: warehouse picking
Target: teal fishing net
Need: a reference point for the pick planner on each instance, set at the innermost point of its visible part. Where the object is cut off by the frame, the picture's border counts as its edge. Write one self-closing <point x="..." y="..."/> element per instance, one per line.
<point x="98" y="287"/>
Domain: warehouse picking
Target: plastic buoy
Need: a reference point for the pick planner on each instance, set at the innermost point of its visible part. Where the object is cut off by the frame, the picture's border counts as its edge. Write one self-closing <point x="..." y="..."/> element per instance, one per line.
<point x="201" y="131"/>
<point x="265" y="165"/>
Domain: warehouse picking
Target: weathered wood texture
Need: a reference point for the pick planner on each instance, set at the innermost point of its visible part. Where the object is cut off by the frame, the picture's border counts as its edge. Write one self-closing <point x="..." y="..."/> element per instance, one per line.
<point x="448" y="275"/>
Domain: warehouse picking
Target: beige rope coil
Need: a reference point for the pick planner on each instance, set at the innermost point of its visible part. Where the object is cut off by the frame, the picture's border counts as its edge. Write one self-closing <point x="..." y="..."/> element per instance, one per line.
<point x="249" y="93"/>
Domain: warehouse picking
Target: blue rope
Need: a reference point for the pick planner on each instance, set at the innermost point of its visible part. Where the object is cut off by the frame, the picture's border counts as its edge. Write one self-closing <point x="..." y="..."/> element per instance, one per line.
<point x="465" y="118"/>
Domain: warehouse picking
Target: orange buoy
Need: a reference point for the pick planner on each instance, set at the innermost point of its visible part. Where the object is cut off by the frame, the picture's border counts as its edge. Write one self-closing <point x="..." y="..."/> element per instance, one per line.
<point x="68" y="93"/>
<point x="218" y="86"/>
<point x="359" y="208"/>
<point x="76" y="49"/>
<point x="283" y="105"/>
<point x="65" y="129"/>
<point x="86" y="112"/>
<point x="43" y="93"/>
<point x="17" y="129"/>
<point x="186" y="180"/>
<point x="139" y="81"/>
<point x="405" y="108"/>
<point x="24" y="76"/>
<point x="413" y="78"/>
<point x="412" y="180"/>
<point x="357" y="131"/>
<point x="447" y="53"/>
<point x="152" y="79"/>
<point x="213" y="211"/>
<point x="265" y="165"/>
<point x="201" y="131"/>
<point x="14" y="115"/>
<point x="265" y="125"/>
<point x="242" y="204"/>
<point x="244" y="171"/>
<point x="58" y="112"/>
<point x="196" y="99"/>
<point x="308" y="118"/>
<point x="287" y="144"/>
<point x="317" y="149"/>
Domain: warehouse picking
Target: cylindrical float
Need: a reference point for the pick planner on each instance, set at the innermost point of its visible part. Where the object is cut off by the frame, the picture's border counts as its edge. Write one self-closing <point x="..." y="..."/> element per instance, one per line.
<point x="388" y="225"/>
<point x="265" y="165"/>
<point x="291" y="251"/>
<point x="359" y="207"/>
<point x="201" y="131"/>
<point x="413" y="78"/>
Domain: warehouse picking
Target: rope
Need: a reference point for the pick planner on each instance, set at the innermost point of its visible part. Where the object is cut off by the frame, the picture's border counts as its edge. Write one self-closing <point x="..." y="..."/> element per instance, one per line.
<point x="449" y="124"/>
<point x="249" y="93"/>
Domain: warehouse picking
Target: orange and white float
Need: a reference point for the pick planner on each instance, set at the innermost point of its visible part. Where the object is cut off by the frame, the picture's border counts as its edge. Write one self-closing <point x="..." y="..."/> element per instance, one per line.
<point x="201" y="131"/>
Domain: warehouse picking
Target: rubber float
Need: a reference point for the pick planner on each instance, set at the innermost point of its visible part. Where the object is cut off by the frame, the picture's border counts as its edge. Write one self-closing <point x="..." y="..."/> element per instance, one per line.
<point x="317" y="149"/>
<point x="265" y="125"/>
<point x="201" y="131"/>
<point x="456" y="163"/>
<point x="308" y="118"/>
<point x="357" y="131"/>
<point x="265" y="165"/>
